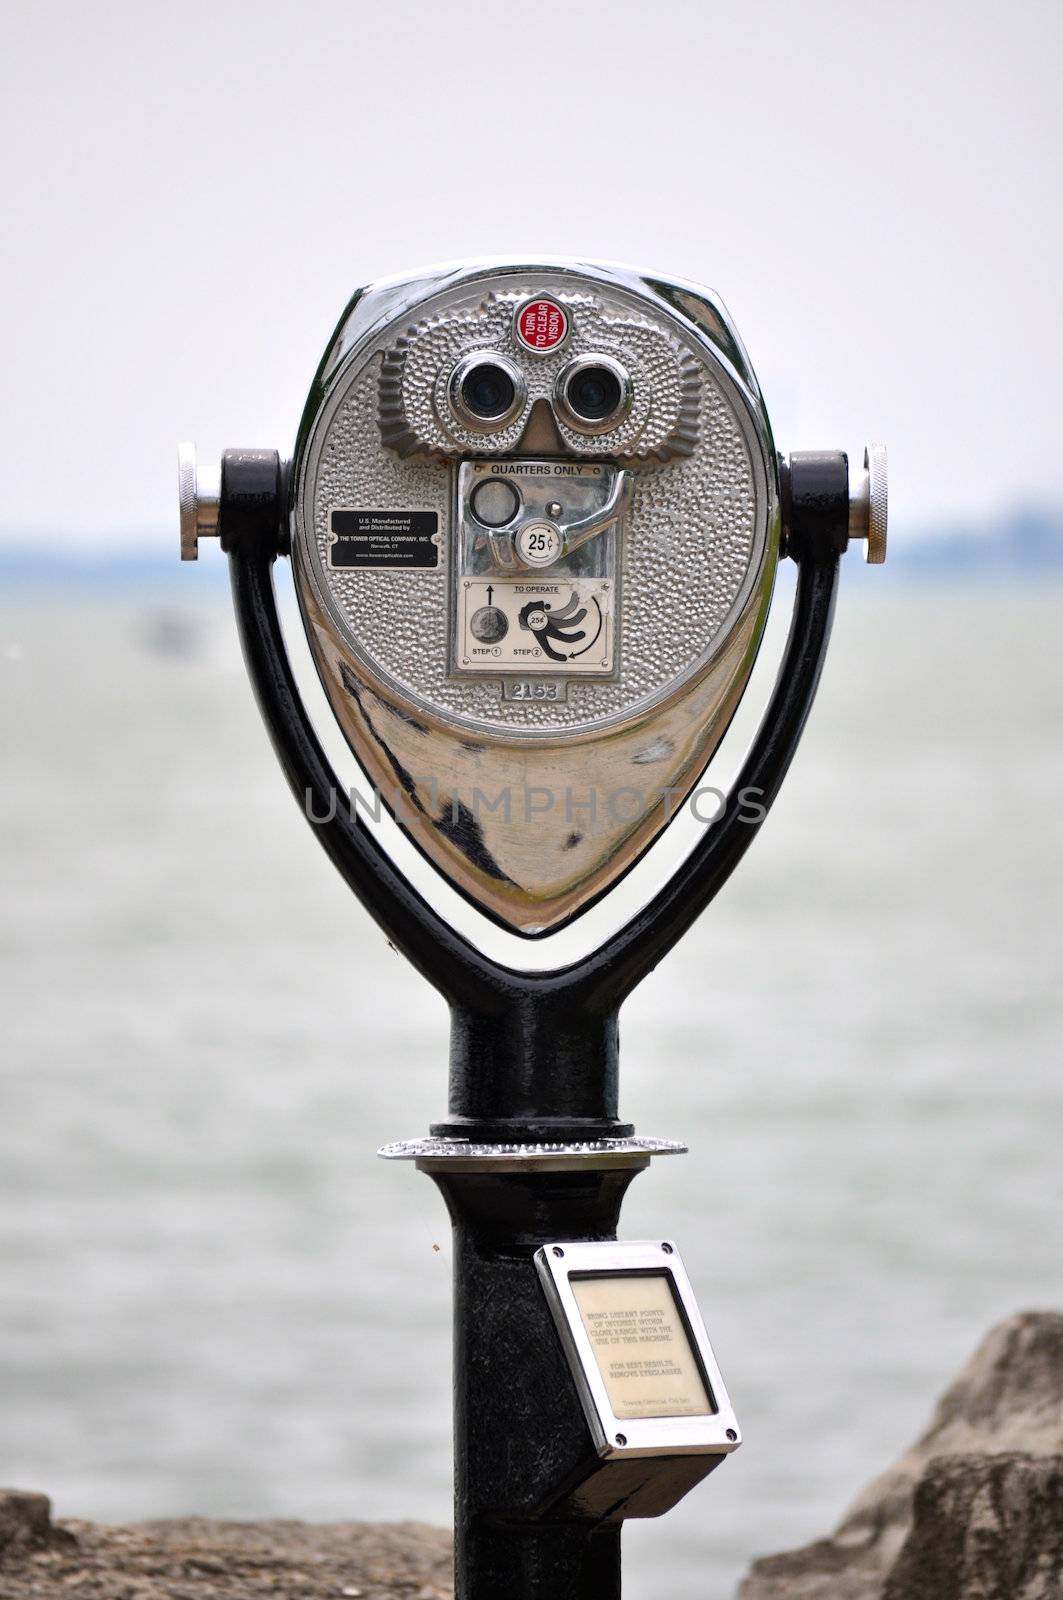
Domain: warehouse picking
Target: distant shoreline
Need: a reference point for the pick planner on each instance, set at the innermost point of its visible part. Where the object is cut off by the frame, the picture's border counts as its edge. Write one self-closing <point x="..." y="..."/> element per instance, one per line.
<point x="1024" y="545"/>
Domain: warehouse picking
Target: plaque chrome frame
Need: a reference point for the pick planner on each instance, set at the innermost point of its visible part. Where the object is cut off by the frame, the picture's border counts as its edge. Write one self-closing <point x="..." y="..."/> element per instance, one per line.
<point x="717" y="1434"/>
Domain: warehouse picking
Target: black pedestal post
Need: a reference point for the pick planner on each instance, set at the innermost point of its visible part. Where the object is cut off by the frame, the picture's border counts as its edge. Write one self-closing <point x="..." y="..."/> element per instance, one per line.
<point x="529" y="1523"/>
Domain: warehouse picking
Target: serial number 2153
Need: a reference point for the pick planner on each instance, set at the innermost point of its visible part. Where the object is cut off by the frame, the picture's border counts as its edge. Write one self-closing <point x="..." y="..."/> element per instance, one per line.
<point x="533" y="689"/>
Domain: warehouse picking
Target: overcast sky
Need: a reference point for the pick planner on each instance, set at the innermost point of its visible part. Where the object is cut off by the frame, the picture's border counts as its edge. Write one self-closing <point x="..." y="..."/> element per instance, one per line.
<point x="191" y="193"/>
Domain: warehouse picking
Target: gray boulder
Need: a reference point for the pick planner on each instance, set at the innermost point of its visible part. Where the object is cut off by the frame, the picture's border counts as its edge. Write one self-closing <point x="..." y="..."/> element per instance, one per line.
<point x="973" y="1511"/>
<point x="985" y="1526"/>
<point x="25" y="1519"/>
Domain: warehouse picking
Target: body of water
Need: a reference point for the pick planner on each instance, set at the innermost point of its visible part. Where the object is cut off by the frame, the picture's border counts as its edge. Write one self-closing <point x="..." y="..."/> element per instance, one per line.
<point x="213" y="1298"/>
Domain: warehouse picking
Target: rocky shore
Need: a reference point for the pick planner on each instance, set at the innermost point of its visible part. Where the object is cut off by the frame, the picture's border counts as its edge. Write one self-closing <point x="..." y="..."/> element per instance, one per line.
<point x="198" y="1559"/>
<point x="974" y="1511"/>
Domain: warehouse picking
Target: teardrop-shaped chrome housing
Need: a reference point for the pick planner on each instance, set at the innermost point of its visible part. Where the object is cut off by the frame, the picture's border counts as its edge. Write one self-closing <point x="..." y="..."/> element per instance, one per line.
<point x="534" y="622"/>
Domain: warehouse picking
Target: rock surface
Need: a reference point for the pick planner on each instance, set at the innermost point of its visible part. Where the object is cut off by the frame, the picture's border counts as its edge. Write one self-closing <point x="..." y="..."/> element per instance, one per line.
<point x="24" y="1519"/>
<point x="985" y="1526"/>
<point x="197" y="1559"/>
<point x="974" y="1511"/>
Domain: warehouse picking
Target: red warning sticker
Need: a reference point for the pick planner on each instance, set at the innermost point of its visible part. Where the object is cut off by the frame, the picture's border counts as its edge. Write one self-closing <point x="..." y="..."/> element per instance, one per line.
<point x="541" y="325"/>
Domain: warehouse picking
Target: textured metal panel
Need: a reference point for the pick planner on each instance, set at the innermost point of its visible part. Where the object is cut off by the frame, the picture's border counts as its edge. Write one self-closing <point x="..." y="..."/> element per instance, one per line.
<point x="697" y="534"/>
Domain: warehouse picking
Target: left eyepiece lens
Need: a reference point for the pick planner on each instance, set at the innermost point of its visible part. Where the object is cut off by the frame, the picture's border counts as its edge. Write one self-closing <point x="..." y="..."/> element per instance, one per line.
<point x="486" y="391"/>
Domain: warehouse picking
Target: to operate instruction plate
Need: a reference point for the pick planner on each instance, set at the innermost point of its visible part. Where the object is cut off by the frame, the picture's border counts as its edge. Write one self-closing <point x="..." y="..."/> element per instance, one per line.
<point x="539" y="625"/>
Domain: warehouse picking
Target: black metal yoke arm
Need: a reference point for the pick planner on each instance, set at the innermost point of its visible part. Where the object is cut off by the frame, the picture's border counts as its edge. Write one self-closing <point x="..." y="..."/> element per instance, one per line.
<point x="533" y="1054"/>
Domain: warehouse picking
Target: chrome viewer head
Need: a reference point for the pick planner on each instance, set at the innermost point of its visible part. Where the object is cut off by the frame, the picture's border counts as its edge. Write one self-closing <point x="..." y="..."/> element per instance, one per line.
<point x="535" y="522"/>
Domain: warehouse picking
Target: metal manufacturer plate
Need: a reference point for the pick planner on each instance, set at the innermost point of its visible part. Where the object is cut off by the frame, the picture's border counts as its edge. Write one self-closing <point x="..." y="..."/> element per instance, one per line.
<point x="381" y="540"/>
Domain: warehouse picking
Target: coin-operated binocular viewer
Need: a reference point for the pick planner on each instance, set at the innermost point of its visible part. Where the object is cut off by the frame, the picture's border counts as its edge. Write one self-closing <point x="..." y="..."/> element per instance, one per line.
<point x="534" y="515"/>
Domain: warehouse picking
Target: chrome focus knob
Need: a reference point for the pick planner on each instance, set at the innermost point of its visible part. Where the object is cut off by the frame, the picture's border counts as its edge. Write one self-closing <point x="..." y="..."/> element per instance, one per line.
<point x="198" y="496"/>
<point x="868" y="504"/>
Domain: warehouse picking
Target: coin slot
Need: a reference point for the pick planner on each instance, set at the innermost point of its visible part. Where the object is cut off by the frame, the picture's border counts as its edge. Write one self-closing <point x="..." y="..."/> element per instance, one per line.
<point x="495" y="502"/>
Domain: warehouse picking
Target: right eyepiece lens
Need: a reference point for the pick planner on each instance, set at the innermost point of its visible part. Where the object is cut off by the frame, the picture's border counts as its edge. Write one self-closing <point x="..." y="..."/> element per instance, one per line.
<point x="488" y="390"/>
<point x="594" y="393"/>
